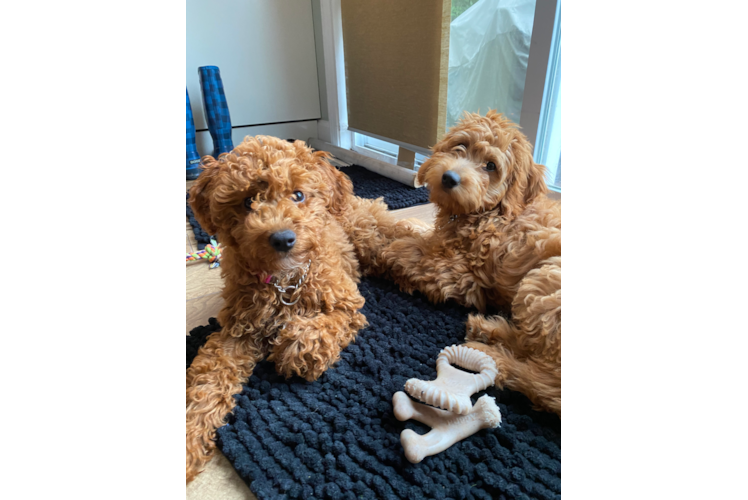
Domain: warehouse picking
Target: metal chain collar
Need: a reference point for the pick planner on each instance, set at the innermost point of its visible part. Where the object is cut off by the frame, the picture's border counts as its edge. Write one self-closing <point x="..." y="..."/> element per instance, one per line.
<point x="452" y="218"/>
<point x="292" y="289"/>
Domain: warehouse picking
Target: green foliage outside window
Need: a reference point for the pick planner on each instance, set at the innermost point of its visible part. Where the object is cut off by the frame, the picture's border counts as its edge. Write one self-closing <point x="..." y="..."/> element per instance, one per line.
<point x="460" y="6"/>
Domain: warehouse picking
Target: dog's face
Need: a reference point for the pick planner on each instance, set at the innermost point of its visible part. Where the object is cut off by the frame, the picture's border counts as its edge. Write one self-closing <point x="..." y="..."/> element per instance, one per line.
<point x="270" y="200"/>
<point x="482" y="162"/>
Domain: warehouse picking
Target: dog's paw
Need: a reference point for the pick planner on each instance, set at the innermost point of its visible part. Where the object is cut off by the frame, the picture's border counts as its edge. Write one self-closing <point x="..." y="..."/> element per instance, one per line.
<point x="482" y="329"/>
<point x="475" y="328"/>
<point x="402" y="253"/>
<point x="489" y="330"/>
<point x="406" y="227"/>
<point x="304" y="355"/>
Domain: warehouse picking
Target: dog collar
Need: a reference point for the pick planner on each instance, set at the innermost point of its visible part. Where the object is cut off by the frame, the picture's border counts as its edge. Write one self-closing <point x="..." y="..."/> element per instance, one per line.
<point x="454" y="217"/>
<point x="290" y="289"/>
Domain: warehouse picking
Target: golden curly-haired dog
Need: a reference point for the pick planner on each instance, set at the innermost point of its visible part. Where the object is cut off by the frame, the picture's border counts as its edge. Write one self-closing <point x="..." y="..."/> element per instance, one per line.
<point x="285" y="218"/>
<point x="496" y="243"/>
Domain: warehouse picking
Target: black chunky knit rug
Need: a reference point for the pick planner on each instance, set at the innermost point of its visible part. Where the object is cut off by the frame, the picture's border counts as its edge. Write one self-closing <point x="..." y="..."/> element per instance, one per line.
<point x="338" y="438"/>
<point x="366" y="184"/>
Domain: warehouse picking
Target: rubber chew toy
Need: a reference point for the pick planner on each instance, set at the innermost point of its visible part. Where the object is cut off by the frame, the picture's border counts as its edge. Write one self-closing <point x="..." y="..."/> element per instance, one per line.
<point x="446" y="428"/>
<point x="452" y="388"/>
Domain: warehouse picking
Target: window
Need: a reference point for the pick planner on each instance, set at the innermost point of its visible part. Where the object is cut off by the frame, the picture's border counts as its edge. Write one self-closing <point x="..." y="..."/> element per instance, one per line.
<point x="460" y="6"/>
<point x="381" y="150"/>
<point x="489" y="48"/>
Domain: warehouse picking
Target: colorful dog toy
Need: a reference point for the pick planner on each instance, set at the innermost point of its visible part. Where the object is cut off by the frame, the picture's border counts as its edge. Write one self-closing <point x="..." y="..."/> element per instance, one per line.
<point x="211" y="253"/>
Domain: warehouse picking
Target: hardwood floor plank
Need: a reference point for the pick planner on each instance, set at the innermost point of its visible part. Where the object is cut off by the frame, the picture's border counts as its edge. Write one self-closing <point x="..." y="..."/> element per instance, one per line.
<point x="191" y="237"/>
<point x="201" y="309"/>
<point x="219" y="481"/>
<point x="190" y="243"/>
<point x="426" y="213"/>
<point x="202" y="280"/>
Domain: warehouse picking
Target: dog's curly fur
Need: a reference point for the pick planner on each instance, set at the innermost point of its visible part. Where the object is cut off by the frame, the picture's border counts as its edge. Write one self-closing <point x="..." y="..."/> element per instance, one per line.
<point x="243" y="197"/>
<point x="496" y="243"/>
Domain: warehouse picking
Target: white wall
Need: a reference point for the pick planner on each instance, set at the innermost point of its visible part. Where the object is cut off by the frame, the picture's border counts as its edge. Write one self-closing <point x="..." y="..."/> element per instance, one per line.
<point x="266" y="53"/>
<point x="291" y="130"/>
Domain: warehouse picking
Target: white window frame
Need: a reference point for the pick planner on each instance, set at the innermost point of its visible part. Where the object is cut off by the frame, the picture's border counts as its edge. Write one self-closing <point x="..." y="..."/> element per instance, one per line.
<point x="380" y="149"/>
<point x="335" y="131"/>
<point x="548" y="142"/>
<point x="375" y="148"/>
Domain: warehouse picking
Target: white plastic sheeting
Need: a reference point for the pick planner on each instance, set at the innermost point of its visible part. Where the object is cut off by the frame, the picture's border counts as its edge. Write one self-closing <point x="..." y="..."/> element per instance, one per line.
<point x="488" y="50"/>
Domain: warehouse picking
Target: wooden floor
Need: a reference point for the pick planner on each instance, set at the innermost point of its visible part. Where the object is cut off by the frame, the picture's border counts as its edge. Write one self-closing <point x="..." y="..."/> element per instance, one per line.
<point x="220" y="481"/>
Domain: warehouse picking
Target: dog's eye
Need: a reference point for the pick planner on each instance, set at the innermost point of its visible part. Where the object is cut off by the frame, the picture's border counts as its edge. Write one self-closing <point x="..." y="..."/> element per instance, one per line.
<point x="248" y="203"/>
<point x="490" y="166"/>
<point x="297" y="196"/>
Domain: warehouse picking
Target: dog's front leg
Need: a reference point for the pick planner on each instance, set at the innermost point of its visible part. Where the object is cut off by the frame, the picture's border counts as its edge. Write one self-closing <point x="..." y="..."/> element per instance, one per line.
<point x="421" y="263"/>
<point x="222" y="365"/>
<point x="309" y="346"/>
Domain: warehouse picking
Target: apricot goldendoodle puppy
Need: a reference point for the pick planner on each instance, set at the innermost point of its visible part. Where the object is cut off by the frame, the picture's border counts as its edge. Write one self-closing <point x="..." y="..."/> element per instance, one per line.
<point x="496" y="243"/>
<point x="293" y="234"/>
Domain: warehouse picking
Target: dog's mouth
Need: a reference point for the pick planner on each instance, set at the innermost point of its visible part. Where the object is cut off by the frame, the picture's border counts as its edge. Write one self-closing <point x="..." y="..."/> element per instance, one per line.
<point x="277" y="263"/>
<point x="459" y="200"/>
<point x="287" y="260"/>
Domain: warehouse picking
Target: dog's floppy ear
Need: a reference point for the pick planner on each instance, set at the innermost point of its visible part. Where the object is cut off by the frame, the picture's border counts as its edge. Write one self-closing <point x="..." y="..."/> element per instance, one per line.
<point x="339" y="184"/>
<point x="420" y="179"/>
<point x="535" y="182"/>
<point x="200" y="194"/>
<point x="527" y="179"/>
<point x="533" y="173"/>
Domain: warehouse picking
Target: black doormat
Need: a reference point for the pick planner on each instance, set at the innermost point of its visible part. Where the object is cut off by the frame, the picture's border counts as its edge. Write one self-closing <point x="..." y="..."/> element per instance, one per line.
<point x="366" y="184"/>
<point x="337" y="437"/>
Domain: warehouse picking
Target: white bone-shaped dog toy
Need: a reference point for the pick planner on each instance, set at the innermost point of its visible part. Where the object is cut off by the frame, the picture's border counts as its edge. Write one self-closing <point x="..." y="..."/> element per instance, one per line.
<point x="446" y="428"/>
<point x="452" y="388"/>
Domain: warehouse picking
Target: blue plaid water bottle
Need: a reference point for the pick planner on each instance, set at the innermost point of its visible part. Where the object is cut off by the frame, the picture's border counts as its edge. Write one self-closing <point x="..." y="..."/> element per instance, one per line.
<point x="216" y="109"/>
<point x="193" y="157"/>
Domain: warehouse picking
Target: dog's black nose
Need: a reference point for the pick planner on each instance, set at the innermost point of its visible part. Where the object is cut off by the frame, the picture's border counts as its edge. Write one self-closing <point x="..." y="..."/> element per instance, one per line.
<point x="450" y="179"/>
<point x="283" y="241"/>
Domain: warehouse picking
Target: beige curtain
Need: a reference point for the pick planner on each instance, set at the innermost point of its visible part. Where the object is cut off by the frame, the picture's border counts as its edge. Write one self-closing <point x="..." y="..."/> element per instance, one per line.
<point x="396" y="64"/>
